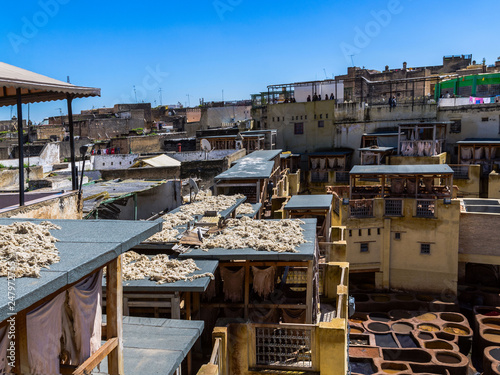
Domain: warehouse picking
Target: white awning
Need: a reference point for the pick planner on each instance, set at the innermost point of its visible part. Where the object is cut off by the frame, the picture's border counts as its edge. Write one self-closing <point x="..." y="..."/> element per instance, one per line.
<point x="36" y="87"/>
<point x="158" y="161"/>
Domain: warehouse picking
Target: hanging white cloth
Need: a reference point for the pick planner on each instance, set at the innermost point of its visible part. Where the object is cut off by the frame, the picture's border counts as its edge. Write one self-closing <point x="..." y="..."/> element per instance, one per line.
<point x="341" y="163"/>
<point x="493" y="153"/>
<point x="332" y="163"/>
<point x="466" y="153"/>
<point x="314" y="163"/>
<point x="322" y="163"/>
<point x="421" y="148"/>
<point x="428" y="148"/>
<point x="478" y="153"/>
<point x="85" y="301"/>
<point x="44" y="331"/>
<point x="438" y="147"/>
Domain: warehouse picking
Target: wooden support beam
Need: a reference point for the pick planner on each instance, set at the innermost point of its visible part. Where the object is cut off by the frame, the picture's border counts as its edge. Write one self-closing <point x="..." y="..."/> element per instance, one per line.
<point x="247" y="287"/>
<point x="96" y="358"/>
<point x="309" y="293"/>
<point x="22" y="361"/>
<point x="114" y="311"/>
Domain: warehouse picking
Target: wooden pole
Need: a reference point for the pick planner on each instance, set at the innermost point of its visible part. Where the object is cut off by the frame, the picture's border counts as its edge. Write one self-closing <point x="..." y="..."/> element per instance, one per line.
<point x="114" y="311"/>
<point x="309" y="293"/>
<point x="20" y="141"/>
<point x="74" y="175"/>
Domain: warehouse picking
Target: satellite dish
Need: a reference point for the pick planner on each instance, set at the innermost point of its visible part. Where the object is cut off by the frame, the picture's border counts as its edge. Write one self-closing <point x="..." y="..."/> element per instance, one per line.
<point x="205" y="145"/>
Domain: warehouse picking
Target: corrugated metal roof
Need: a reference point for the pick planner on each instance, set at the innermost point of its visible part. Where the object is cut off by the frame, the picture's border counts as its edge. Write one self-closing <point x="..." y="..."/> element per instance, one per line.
<point x="402" y="169"/>
<point x="257" y="165"/>
<point x="36" y="87"/>
<point x="470" y="141"/>
<point x="377" y="149"/>
<point x="310" y="202"/>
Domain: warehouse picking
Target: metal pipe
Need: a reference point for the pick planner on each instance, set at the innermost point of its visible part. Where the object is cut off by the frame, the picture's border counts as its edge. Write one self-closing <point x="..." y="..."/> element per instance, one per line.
<point x="74" y="175"/>
<point x="21" y="145"/>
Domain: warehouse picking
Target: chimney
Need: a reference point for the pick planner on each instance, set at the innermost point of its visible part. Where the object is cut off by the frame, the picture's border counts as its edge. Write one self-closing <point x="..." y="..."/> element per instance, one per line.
<point x="405" y="64"/>
<point x="387" y="68"/>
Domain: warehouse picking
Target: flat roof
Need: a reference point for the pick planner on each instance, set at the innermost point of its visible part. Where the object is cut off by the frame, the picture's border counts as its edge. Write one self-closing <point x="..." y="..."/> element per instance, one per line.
<point x="377" y="149"/>
<point x="402" y="169"/>
<point x="155" y="346"/>
<point x="306" y="251"/>
<point x="256" y="207"/>
<point x="224" y="213"/>
<point x="197" y="285"/>
<point x="484" y="206"/>
<point x="248" y="169"/>
<point x="310" y="202"/>
<point x="479" y="141"/>
<point x="84" y="246"/>
<point x="382" y="134"/>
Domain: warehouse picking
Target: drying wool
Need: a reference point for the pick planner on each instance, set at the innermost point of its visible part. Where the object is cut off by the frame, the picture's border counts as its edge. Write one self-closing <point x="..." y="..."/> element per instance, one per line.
<point x="26" y="247"/>
<point x="160" y="268"/>
<point x="233" y="283"/>
<point x="265" y="235"/>
<point x="263" y="280"/>
<point x="203" y="202"/>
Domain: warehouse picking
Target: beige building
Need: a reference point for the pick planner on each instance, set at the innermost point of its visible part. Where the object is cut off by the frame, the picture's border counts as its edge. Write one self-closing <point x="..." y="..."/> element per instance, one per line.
<point x="401" y="231"/>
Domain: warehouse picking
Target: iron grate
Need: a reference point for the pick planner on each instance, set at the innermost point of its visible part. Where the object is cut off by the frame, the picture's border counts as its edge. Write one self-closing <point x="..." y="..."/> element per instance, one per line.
<point x="283" y="347"/>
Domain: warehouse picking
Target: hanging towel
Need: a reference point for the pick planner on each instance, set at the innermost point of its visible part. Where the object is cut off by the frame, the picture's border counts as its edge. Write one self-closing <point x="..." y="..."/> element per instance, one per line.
<point x="85" y="300"/>
<point x="332" y="163"/>
<point x="322" y="163"/>
<point x="4" y="344"/>
<point x="44" y="327"/>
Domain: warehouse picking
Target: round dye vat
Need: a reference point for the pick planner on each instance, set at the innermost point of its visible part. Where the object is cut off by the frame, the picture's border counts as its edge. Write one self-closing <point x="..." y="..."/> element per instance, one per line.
<point x="378" y="327"/>
<point x="403" y="328"/>
<point x="356" y="330"/>
<point x="405" y="297"/>
<point x="491" y="323"/>
<point x="438" y="344"/>
<point x="400" y="314"/>
<point x="360" y="297"/>
<point x="379" y="317"/>
<point x="456" y="329"/>
<point x="428" y="328"/>
<point x="427" y="317"/>
<point x="359" y="321"/>
<point x="495" y="353"/>
<point x="450" y="317"/>
<point x="425" y="298"/>
<point x="381" y="297"/>
<point x="393" y="368"/>
<point x="425" y="336"/>
<point x="448" y="358"/>
<point x="492" y="336"/>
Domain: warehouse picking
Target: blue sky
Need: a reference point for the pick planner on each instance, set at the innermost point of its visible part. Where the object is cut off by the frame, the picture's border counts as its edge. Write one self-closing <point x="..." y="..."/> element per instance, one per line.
<point x="201" y="47"/>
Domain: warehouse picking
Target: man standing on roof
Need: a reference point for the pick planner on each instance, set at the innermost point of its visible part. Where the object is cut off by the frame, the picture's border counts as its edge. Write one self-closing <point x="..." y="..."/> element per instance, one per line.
<point x="270" y="187"/>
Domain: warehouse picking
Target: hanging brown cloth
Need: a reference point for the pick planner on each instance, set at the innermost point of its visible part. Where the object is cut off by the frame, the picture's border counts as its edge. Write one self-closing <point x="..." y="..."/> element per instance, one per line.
<point x="397" y="185"/>
<point x="269" y="316"/>
<point x="263" y="280"/>
<point x="294" y="316"/>
<point x="429" y="184"/>
<point x="233" y="283"/>
<point x="411" y="185"/>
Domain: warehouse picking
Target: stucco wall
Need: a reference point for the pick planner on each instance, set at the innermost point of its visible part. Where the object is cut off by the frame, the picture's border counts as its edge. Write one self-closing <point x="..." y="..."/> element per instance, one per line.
<point x="60" y="207"/>
<point x="162" y="173"/>
<point x="117" y="161"/>
<point x="10" y="177"/>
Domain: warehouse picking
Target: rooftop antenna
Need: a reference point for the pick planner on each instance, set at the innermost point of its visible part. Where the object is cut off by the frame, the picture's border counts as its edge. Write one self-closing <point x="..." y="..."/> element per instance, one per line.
<point x="326" y="75"/>
<point x="206" y="146"/>
<point x="67" y="79"/>
<point x="189" y="100"/>
<point x="161" y="98"/>
<point x="135" y="94"/>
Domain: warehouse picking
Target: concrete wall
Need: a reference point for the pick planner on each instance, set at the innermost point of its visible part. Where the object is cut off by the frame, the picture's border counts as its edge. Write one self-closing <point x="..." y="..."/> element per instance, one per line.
<point x="65" y="150"/>
<point x="200" y="155"/>
<point x="215" y="116"/>
<point x="65" y="206"/>
<point x="138" y="145"/>
<point x="162" y="173"/>
<point x="471" y="187"/>
<point x="10" y="177"/>
<point x="416" y="160"/>
<point x="116" y="161"/>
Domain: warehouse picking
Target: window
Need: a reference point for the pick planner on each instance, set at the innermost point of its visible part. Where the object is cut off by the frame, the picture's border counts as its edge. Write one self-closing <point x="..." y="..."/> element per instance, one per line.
<point x="305" y="117"/>
<point x="425" y="248"/>
<point x="315" y="116"/>
<point x="321" y="124"/>
<point x="321" y="115"/>
<point x="111" y="163"/>
<point x="293" y="118"/>
<point x="369" y="232"/>
<point x="456" y="127"/>
<point x="360" y="232"/>
<point x="120" y="163"/>
<point x="301" y="117"/>
<point x="299" y="128"/>
<point x="397" y="236"/>
<point x="350" y="233"/>
<point x="484" y="119"/>
<point x="378" y="230"/>
<point x="327" y="115"/>
<point x="273" y="119"/>
<point x="363" y="247"/>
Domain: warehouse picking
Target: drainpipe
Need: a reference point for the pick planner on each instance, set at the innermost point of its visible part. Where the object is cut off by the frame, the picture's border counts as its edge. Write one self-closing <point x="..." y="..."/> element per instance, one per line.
<point x="135" y="206"/>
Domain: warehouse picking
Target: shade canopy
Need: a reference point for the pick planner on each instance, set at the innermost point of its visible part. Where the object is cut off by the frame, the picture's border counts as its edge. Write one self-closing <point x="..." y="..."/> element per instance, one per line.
<point x="36" y="87"/>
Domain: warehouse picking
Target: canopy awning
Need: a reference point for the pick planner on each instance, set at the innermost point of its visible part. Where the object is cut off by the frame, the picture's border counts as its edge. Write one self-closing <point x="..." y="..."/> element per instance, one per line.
<point x="36" y="87"/>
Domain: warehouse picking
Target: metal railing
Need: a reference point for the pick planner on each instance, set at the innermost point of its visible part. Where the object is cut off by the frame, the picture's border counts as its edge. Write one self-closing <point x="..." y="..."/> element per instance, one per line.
<point x="336" y="204"/>
<point x="460" y="171"/>
<point x="361" y="208"/>
<point x="393" y="207"/>
<point x="289" y="347"/>
<point x="426" y="208"/>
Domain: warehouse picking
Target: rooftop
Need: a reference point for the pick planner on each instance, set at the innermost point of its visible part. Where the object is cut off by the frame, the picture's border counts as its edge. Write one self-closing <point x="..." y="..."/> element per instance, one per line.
<point x="257" y="165"/>
<point x="422" y="169"/>
<point x="310" y="202"/>
<point x="471" y="141"/>
<point x="81" y="254"/>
